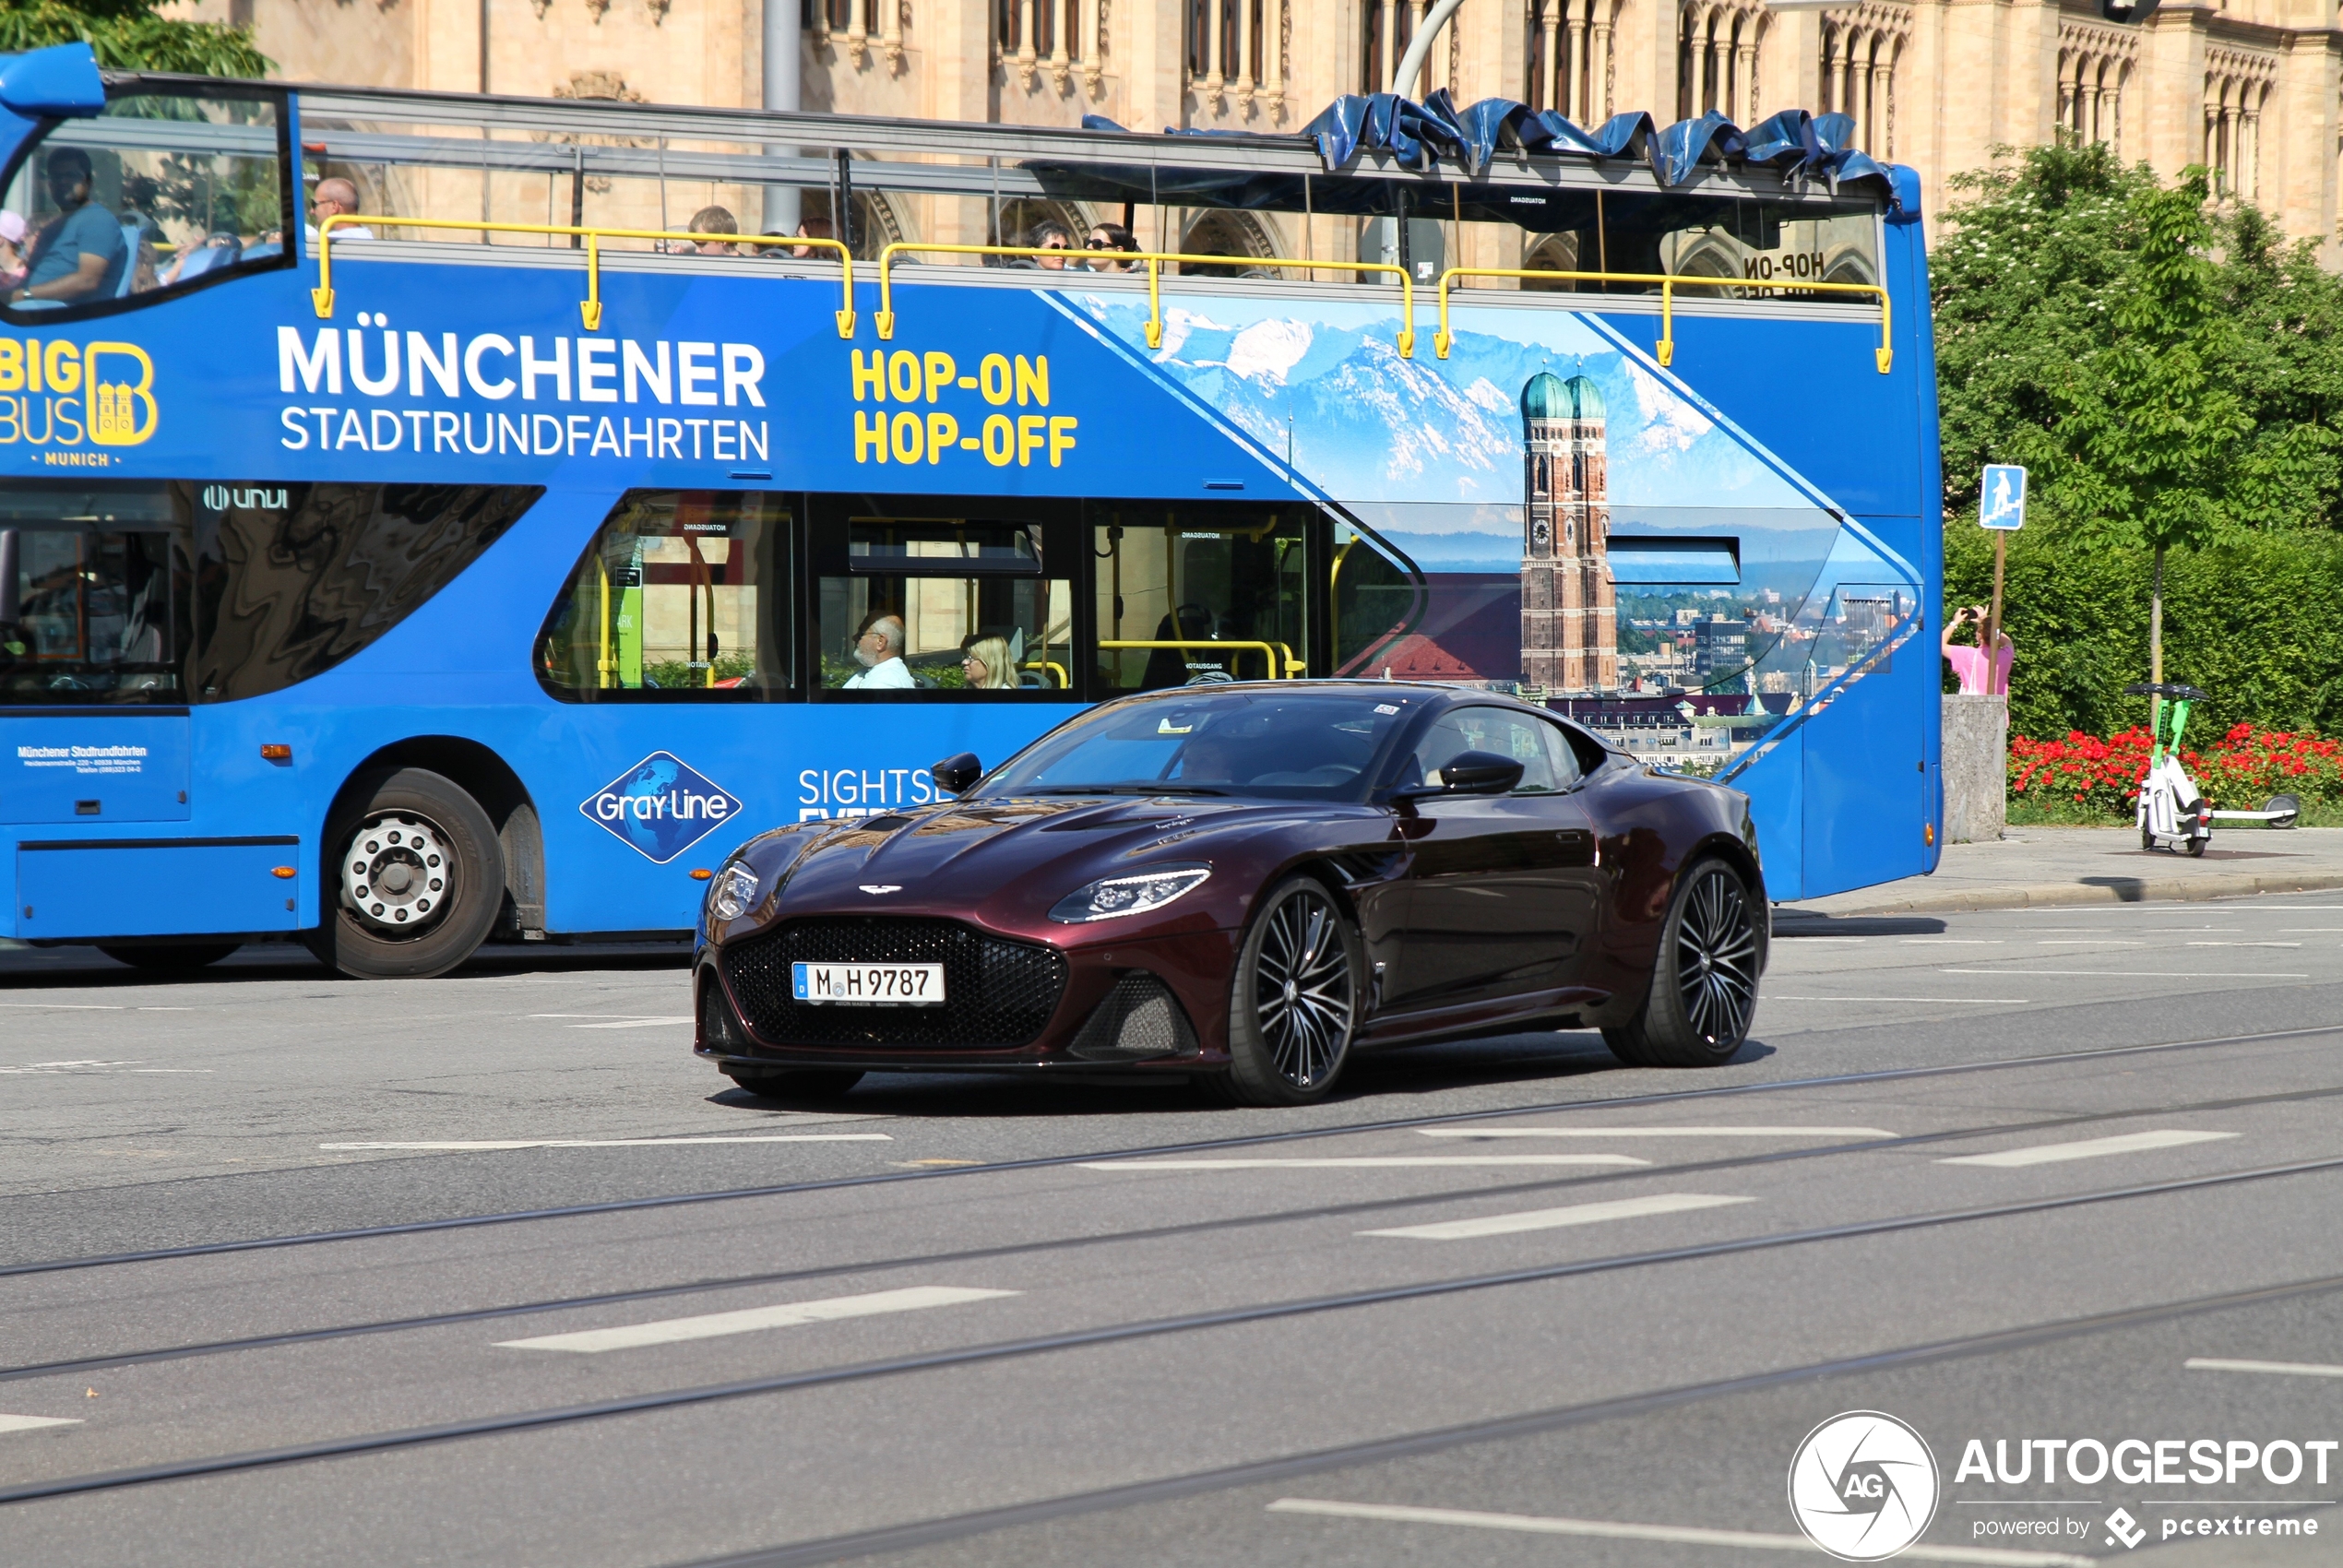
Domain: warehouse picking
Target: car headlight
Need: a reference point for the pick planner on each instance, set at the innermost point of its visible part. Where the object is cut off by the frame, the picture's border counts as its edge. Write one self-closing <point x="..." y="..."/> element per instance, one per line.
<point x="734" y="891"/>
<point x="1112" y="897"/>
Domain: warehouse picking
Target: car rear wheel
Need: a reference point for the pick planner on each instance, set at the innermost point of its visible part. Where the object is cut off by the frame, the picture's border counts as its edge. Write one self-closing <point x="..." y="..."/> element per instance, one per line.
<point x="1704" y="987"/>
<point x="807" y="1084"/>
<point x="1295" y="1000"/>
<point x="162" y="958"/>
<point x="415" y="882"/>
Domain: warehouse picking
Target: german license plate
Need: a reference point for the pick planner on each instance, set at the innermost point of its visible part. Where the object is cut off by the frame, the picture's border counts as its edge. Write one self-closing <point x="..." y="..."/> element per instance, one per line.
<point x="884" y="985"/>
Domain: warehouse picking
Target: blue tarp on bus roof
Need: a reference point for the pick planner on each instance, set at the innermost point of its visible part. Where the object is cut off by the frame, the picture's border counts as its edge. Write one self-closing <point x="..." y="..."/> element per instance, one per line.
<point x="1420" y="136"/>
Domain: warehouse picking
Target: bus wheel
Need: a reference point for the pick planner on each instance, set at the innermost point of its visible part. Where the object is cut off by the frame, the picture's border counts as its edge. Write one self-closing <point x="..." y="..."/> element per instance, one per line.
<point x="417" y="880"/>
<point x="167" y="957"/>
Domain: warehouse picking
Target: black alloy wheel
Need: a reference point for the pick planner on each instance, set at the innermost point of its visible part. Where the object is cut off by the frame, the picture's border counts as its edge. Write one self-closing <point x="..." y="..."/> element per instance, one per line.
<point x="1704" y="987"/>
<point x="416" y="879"/>
<point x="1295" y="1002"/>
<point x="168" y="957"/>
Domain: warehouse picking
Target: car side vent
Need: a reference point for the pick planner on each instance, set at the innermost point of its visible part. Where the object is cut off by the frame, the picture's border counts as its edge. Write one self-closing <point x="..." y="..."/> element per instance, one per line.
<point x="1139" y="1018"/>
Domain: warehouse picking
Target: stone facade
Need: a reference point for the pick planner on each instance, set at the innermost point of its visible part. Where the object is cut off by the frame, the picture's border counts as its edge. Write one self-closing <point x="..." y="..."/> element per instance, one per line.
<point x="2248" y="87"/>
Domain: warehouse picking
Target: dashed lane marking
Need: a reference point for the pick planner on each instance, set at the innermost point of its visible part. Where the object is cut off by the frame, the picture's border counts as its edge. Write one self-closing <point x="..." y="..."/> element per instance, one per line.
<point x="31" y="1423"/>
<point x="626" y="1143"/>
<point x="713" y="1325"/>
<point x="1555" y="1219"/>
<point x="604" y="1021"/>
<point x="1362" y="1162"/>
<point x="2131" y="974"/>
<point x="2090" y="1149"/>
<point x="2281" y="1369"/>
<point x="1511" y="1132"/>
<point x="1981" y="1001"/>
<point x="1677" y="1535"/>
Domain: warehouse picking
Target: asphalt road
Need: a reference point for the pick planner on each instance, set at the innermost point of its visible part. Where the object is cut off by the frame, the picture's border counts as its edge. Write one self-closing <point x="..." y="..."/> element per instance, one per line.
<point x="489" y="1270"/>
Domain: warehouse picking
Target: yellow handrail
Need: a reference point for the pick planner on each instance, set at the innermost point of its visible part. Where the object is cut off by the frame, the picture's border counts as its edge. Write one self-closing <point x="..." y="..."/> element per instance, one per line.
<point x="1155" y="260"/>
<point x="1668" y="281"/>
<point x="590" y="307"/>
<point x="1277" y="656"/>
<point x="1065" y="680"/>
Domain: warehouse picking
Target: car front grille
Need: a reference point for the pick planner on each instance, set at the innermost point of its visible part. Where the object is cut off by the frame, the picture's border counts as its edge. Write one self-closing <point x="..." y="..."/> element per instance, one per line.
<point x="998" y="993"/>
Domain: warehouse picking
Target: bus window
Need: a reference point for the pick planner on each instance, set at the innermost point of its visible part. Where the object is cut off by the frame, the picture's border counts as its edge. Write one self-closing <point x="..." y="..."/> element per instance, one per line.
<point x="93" y="595"/>
<point x="1378" y="599"/>
<point x="943" y="604"/>
<point x="682" y="597"/>
<point x="184" y="591"/>
<point x="167" y="188"/>
<point x="1195" y="595"/>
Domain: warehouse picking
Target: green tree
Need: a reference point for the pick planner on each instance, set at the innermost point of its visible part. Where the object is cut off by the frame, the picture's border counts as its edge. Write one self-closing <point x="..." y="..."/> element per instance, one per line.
<point x="128" y="35"/>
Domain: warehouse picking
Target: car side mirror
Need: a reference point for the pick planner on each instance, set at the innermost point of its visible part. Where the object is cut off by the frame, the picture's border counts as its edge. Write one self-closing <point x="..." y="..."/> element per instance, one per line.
<point x="1469" y="773"/>
<point x="956" y="775"/>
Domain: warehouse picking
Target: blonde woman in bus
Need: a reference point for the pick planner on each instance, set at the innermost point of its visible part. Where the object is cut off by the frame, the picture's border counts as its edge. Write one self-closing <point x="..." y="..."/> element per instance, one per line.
<point x="988" y="665"/>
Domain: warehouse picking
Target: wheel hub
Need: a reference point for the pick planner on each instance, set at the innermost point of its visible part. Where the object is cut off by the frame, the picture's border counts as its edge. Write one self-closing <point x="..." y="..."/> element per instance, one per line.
<point x="397" y="875"/>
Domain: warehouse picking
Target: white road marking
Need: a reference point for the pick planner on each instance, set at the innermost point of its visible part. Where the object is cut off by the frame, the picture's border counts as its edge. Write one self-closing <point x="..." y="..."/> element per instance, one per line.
<point x="2283" y="1369"/>
<point x="2242" y="945"/>
<point x="1678" y="1534"/>
<point x="2090" y="1149"/>
<point x="2129" y="974"/>
<point x="1952" y="942"/>
<point x="630" y="1021"/>
<point x="29" y="1423"/>
<point x="2090" y="941"/>
<point x="1999" y="1001"/>
<point x="632" y="1143"/>
<point x="82" y="1067"/>
<point x="68" y="1007"/>
<point x="1512" y="1132"/>
<point x="1555" y="1219"/>
<point x="1374" y="1162"/>
<point x="712" y="1325"/>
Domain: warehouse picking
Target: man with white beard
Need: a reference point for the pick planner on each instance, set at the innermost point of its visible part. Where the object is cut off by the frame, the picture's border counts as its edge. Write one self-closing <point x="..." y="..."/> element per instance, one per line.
<point x="879" y="650"/>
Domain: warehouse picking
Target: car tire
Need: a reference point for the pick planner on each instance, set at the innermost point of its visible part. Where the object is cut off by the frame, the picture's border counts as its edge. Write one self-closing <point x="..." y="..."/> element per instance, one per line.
<point x="457" y="874"/>
<point x="804" y="1083"/>
<point x="168" y="958"/>
<point x="1703" y="984"/>
<point x="1294" y="1003"/>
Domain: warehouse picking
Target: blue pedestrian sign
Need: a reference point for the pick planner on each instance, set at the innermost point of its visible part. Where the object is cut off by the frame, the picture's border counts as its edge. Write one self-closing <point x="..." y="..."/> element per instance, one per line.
<point x="2002" y="504"/>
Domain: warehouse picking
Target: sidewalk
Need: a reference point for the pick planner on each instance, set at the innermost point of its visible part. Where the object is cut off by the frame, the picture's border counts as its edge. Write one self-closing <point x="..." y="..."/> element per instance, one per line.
<point x="2041" y="867"/>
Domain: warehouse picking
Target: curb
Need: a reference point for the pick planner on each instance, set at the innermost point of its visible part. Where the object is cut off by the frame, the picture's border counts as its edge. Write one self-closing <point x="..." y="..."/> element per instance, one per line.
<point x="2098" y="890"/>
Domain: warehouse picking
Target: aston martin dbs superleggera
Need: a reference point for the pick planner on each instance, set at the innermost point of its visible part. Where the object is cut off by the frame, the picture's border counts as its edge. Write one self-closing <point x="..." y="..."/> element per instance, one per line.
<point x="1243" y="883"/>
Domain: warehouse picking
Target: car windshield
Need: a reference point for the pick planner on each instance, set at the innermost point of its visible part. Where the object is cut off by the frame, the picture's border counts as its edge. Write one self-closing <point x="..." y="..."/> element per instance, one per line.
<point x="1319" y="745"/>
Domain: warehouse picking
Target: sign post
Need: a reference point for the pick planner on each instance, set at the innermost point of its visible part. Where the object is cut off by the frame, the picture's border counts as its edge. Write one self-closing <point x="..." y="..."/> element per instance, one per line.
<point x="2002" y="509"/>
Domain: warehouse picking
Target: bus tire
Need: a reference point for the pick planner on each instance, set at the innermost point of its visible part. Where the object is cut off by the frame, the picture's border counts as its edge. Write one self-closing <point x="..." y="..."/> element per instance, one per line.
<point x="168" y="958"/>
<point x="424" y="829"/>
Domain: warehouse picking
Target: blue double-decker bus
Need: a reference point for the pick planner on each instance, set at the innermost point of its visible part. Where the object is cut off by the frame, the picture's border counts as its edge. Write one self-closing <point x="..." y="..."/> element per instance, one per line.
<point x="427" y="518"/>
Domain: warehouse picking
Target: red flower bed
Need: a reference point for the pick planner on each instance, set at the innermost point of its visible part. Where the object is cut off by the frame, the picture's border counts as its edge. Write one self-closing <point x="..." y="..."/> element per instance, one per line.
<point x="2239" y="771"/>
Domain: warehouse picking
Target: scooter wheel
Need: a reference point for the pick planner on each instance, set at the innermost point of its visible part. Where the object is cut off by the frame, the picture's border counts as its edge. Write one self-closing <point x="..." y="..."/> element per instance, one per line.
<point x="2196" y="848"/>
<point x="2147" y="840"/>
<point x="2289" y="807"/>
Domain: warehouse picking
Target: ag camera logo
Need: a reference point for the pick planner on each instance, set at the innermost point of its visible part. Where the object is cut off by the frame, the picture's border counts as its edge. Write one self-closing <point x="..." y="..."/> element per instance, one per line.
<point x="661" y="806"/>
<point x="1863" y="1485"/>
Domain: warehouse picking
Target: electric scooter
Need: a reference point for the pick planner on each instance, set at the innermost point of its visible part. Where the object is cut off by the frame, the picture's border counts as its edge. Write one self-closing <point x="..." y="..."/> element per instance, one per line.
<point x="2173" y="814"/>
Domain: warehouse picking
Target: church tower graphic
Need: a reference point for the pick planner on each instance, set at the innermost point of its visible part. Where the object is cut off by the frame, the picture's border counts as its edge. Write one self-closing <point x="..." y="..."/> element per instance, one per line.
<point x="1569" y="606"/>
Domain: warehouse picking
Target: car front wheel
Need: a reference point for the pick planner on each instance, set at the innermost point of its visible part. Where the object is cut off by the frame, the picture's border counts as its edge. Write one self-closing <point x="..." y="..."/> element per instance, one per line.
<point x="1704" y="987"/>
<point x="1295" y="999"/>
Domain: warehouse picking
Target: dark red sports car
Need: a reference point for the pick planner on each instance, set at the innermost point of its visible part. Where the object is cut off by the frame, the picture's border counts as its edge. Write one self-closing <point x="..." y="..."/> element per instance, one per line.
<point x="1243" y="883"/>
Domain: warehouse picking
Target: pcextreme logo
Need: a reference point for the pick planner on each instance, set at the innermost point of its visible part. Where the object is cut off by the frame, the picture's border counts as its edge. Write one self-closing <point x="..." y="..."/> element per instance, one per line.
<point x="60" y="399"/>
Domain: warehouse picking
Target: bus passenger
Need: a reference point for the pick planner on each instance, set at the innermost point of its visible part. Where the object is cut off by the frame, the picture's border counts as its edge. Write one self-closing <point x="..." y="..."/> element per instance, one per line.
<point x="878" y="648"/>
<point x="1048" y="236"/>
<point x="715" y="220"/>
<point x="811" y="228"/>
<point x="989" y="665"/>
<point x="335" y="197"/>
<point x="81" y="253"/>
<point x="12" y="268"/>
<point x="1110" y="238"/>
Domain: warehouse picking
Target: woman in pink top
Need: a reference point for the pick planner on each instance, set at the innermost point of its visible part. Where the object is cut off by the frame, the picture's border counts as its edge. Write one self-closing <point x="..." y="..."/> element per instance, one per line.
<point x="1969" y="663"/>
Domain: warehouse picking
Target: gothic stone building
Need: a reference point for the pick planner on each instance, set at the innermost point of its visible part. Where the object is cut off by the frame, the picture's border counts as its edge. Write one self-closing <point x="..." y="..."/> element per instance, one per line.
<point x="2248" y="87"/>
